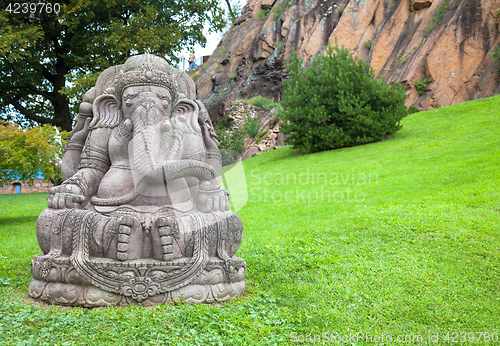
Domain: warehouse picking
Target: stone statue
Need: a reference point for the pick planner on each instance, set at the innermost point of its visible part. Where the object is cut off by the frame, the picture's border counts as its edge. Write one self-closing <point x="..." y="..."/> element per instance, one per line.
<point x="141" y="216"/>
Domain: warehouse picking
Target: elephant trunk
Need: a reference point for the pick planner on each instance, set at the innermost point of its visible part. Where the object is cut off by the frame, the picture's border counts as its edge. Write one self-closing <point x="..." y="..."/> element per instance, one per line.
<point x="148" y="162"/>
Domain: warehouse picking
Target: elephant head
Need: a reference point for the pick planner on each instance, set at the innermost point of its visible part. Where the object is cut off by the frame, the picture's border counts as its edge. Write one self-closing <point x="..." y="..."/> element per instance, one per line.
<point x="146" y="100"/>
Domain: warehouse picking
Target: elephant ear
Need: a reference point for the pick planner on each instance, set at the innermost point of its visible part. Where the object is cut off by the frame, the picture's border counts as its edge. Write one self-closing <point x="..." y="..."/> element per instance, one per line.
<point x="187" y="86"/>
<point x="106" y="112"/>
<point x="190" y="111"/>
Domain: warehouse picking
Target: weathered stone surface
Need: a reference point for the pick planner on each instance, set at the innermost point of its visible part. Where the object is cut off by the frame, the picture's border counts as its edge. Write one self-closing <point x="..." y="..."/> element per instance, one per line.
<point x="141" y="216"/>
<point x="267" y="4"/>
<point x="420" y="4"/>
<point x="402" y="40"/>
<point x="91" y="297"/>
<point x="250" y="152"/>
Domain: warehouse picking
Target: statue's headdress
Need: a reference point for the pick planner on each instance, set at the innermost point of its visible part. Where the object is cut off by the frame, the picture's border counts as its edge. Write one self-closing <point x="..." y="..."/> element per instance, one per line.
<point x="144" y="69"/>
<point x="147" y="69"/>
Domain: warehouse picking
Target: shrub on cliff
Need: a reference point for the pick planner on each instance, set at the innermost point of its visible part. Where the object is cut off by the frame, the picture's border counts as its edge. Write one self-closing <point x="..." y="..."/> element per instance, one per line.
<point x="338" y="102"/>
<point x="230" y="137"/>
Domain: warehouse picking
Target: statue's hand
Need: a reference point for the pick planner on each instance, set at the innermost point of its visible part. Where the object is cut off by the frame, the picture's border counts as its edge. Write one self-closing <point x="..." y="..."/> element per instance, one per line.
<point x="65" y="196"/>
<point x="81" y="135"/>
<point x="212" y="200"/>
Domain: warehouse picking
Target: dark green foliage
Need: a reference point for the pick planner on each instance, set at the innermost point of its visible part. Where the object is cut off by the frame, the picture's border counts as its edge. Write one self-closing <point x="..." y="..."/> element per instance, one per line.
<point x="263" y="14"/>
<point x="368" y="45"/>
<point x="263" y="102"/>
<point x="337" y="102"/>
<point x="438" y="17"/>
<point x="412" y="109"/>
<point x="230" y="138"/>
<point x="421" y="84"/>
<point x="262" y="134"/>
<point x="48" y="60"/>
<point x="252" y="127"/>
<point x="280" y="9"/>
<point x="495" y="54"/>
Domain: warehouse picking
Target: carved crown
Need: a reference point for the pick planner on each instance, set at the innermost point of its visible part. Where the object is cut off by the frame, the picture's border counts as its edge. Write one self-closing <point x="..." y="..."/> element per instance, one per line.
<point x="147" y="69"/>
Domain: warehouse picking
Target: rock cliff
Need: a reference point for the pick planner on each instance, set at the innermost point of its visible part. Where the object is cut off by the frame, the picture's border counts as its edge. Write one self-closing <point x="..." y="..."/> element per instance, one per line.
<point x="443" y="45"/>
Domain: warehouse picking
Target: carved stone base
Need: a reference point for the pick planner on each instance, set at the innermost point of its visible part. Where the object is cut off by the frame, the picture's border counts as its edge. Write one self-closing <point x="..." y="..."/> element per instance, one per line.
<point x="57" y="281"/>
<point x="91" y="296"/>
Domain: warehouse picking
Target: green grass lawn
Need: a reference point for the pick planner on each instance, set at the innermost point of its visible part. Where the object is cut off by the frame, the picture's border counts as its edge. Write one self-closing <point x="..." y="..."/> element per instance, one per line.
<point x="400" y="237"/>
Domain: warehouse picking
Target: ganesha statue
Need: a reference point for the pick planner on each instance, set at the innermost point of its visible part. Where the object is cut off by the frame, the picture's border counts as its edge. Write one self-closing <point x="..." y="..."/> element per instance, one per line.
<point x="141" y="216"/>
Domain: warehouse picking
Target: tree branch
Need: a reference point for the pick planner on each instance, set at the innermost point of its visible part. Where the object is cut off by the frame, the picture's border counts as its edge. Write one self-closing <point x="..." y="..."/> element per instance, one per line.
<point x="48" y="95"/>
<point x="27" y="113"/>
<point x="47" y="75"/>
<point x="229" y="7"/>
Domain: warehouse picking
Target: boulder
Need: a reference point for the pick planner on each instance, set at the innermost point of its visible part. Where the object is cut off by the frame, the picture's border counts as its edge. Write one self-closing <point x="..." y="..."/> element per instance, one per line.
<point x="420" y="4"/>
<point x="267" y="4"/>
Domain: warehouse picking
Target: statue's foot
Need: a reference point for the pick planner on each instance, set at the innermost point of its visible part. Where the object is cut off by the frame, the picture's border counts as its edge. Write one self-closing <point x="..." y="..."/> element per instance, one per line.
<point x="167" y="230"/>
<point x="130" y="238"/>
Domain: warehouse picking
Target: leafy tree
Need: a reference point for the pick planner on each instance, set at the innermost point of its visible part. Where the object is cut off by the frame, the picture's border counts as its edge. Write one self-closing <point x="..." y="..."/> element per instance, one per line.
<point x="338" y="102"/>
<point x="40" y="51"/>
<point x="26" y="153"/>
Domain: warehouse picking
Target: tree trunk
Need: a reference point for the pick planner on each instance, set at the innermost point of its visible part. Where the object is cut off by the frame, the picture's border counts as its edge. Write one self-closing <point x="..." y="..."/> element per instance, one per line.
<point x="62" y="115"/>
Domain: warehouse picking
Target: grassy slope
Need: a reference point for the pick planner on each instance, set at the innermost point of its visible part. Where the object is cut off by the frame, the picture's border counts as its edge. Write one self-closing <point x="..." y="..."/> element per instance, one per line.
<point x="413" y="251"/>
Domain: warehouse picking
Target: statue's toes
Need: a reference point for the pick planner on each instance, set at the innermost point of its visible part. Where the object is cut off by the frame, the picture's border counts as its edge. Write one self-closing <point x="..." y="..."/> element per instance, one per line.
<point x="164" y="221"/>
<point x="127" y="221"/>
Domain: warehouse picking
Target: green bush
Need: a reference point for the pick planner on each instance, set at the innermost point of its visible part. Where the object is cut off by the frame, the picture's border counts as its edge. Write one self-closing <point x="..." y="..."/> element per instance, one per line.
<point x="263" y="102"/>
<point x="252" y="126"/>
<point x="413" y="109"/>
<point x="230" y="138"/>
<point x="495" y="54"/>
<point x="263" y="14"/>
<point x="337" y="102"/>
<point x="262" y="134"/>
<point x="438" y="17"/>
<point x="421" y="84"/>
<point x="368" y="45"/>
<point x="278" y="11"/>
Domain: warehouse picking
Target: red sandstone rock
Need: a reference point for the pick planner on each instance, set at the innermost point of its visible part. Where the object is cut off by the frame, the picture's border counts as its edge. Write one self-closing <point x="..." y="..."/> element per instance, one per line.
<point x="420" y="4"/>
<point x="267" y="4"/>
<point x="403" y="41"/>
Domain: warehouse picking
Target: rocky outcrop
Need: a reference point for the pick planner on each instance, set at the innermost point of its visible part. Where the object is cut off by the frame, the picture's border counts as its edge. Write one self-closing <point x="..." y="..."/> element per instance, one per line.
<point x="266" y="138"/>
<point x="446" y="41"/>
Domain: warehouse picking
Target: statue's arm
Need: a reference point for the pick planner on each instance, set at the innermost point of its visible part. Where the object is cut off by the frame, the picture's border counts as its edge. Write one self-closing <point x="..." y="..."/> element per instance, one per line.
<point x="210" y="194"/>
<point x="73" y="149"/>
<point x="213" y="156"/>
<point x="94" y="164"/>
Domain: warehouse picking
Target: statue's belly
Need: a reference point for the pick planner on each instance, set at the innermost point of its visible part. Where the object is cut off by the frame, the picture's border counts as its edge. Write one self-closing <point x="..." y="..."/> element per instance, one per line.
<point x="116" y="183"/>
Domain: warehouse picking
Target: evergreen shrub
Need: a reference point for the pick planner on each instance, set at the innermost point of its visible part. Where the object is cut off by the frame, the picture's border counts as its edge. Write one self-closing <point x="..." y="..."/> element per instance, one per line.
<point x="338" y="102"/>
